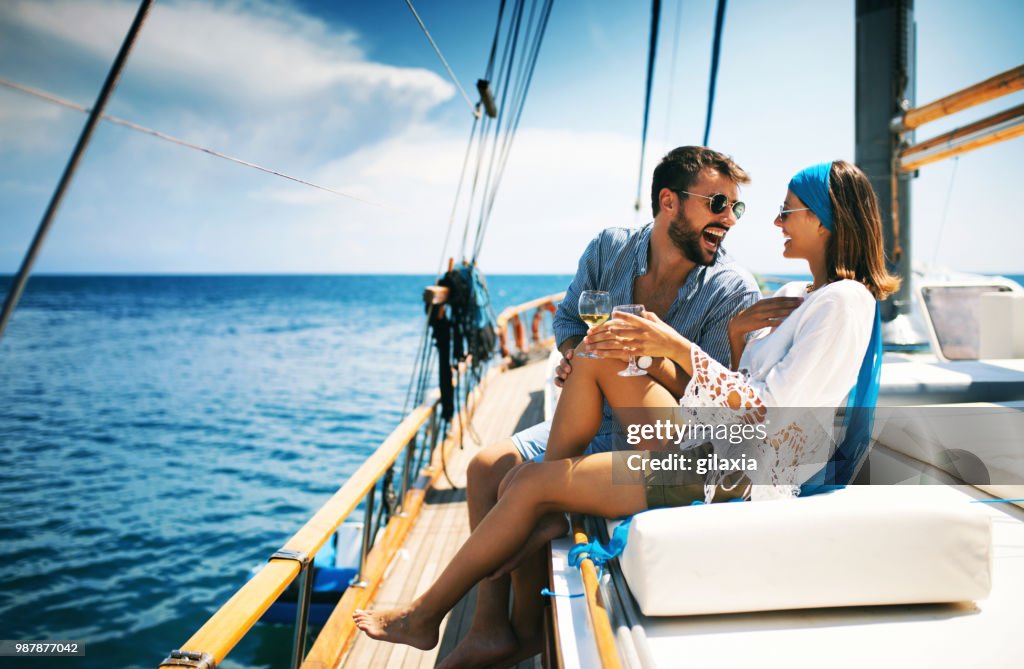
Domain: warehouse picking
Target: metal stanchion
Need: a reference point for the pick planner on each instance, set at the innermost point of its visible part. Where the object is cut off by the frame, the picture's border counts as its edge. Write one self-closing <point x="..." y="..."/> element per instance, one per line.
<point x="359" y="581"/>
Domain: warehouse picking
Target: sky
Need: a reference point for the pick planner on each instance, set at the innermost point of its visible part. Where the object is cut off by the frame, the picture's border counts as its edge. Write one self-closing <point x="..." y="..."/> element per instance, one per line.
<point x="350" y="95"/>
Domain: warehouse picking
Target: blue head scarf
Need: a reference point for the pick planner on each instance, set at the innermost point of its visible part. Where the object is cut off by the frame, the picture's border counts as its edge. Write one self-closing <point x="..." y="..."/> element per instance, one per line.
<point x="811" y="186"/>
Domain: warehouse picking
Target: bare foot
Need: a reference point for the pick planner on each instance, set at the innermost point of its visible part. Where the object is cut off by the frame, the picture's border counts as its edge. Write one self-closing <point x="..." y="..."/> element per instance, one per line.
<point x="481" y="648"/>
<point x="397" y="626"/>
<point x="550" y="526"/>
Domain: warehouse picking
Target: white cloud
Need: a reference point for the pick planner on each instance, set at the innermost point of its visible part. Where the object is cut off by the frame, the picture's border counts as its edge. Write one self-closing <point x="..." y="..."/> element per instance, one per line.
<point x="252" y="52"/>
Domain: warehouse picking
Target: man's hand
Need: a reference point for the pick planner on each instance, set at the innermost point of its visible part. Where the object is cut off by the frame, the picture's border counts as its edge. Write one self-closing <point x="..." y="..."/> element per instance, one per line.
<point x="765" y="313"/>
<point x="564" y="368"/>
<point x="768" y="312"/>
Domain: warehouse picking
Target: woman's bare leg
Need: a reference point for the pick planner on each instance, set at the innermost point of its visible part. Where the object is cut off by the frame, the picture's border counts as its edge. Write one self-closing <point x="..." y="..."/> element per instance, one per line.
<point x="583" y="395"/>
<point x="579" y="485"/>
<point x="579" y="411"/>
<point x="582" y="485"/>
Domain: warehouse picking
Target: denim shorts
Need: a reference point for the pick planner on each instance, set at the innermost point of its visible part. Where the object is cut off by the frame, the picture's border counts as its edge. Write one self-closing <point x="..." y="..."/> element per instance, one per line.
<point x="533" y="442"/>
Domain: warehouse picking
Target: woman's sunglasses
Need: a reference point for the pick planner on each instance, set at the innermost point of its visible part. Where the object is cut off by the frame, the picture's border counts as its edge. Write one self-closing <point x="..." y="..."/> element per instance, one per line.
<point x="783" y="211"/>
<point x="718" y="202"/>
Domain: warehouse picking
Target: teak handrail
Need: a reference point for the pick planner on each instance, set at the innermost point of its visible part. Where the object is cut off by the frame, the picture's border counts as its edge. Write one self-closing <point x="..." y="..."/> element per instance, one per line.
<point x="603" y="635"/>
<point x="338" y="632"/>
<point x="1001" y="84"/>
<point x="222" y="632"/>
<point x="219" y="635"/>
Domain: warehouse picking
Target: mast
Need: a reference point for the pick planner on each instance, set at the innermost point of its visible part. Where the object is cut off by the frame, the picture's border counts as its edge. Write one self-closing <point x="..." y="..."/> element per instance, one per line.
<point x="885" y="88"/>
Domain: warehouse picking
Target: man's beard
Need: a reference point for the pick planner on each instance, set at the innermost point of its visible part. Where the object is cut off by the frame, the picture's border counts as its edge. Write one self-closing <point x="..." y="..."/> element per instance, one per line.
<point x="688" y="240"/>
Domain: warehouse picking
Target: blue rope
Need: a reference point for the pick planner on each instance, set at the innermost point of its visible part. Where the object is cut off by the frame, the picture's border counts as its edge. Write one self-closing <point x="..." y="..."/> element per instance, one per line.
<point x="547" y="593"/>
<point x="598" y="553"/>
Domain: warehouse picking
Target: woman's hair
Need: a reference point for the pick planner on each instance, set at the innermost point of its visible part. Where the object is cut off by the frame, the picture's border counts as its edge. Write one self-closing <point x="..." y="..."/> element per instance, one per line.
<point x="855" y="250"/>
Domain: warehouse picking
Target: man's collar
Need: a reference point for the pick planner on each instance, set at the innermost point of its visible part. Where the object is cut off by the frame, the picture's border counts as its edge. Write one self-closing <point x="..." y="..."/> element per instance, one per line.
<point x="643" y="249"/>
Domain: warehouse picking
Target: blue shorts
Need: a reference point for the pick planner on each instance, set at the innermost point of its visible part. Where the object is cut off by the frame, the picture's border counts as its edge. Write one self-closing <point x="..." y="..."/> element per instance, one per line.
<point x="533" y="442"/>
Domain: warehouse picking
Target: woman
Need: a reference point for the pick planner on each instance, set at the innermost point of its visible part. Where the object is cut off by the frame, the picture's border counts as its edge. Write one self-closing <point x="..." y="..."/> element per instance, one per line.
<point x="810" y="358"/>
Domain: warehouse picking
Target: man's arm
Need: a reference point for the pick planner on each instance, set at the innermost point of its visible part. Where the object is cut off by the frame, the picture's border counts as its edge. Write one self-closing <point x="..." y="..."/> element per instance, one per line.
<point x="567" y="323"/>
<point x="714" y="339"/>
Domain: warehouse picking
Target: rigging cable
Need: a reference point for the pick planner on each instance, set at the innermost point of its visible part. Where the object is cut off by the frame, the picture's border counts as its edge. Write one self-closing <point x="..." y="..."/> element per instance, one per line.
<point x="458" y="190"/>
<point x="945" y="209"/>
<point x="504" y="83"/>
<point x="651" y="54"/>
<point x="672" y="69"/>
<point x="527" y="70"/>
<point x="489" y="71"/>
<point x="522" y="88"/>
<point x="716" y="47"/>
<point x="444" y="62"/>
<point x="189" y="145"/>
<point x="21" y="279"/>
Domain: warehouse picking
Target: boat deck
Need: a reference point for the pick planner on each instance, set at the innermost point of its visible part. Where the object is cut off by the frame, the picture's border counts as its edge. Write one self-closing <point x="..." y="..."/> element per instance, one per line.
<point x="513" y="400"/>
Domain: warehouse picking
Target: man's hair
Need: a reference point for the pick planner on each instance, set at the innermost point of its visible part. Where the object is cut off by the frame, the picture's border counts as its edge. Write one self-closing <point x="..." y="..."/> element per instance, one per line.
<point x="681" y="167"/>
<point x="855" y="249"/>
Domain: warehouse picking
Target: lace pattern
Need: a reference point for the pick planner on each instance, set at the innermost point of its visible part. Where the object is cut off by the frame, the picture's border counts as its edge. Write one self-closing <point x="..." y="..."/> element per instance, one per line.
<point x="794" y="437"/>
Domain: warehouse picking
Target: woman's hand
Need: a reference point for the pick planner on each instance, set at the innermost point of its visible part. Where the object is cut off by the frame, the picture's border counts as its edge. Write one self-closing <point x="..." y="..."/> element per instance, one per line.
<point x="627" y="334"/>
<point x="765" y="313"/>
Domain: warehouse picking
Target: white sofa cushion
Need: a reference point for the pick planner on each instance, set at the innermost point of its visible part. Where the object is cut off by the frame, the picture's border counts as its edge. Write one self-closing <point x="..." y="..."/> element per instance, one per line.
<point x="862" y="545"/>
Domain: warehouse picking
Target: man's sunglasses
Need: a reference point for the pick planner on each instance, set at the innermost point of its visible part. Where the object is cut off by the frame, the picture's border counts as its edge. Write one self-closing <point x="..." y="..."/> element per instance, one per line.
<point x="718" y="202"/>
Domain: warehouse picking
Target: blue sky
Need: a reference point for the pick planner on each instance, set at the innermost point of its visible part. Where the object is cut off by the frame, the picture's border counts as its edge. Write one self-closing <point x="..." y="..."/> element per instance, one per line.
<point x="350" y="95"/>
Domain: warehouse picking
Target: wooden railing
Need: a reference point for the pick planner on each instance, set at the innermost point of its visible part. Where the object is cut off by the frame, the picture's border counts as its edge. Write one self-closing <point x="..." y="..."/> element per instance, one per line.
<point x="513" y="316"/>
<point x="416" y="437"/>
<point x="996" y="128"/>
<point x="219" y="635"/>
<point x="596" y="612"/>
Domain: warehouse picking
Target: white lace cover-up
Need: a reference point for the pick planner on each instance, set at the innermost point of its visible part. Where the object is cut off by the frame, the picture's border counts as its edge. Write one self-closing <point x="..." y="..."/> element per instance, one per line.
<point x="809" y="360"/>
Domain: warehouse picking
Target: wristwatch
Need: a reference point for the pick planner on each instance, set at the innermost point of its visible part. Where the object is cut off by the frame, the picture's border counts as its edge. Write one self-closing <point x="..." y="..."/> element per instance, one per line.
<point x="644" y="361"/>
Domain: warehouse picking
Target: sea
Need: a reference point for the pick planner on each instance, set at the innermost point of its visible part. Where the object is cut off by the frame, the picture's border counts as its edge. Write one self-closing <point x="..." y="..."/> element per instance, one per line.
<point x="162" y="435"/>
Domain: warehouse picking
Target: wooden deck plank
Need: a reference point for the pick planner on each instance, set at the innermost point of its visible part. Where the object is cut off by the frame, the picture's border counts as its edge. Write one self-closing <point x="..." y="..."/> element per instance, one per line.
<point x="511" y="402"/>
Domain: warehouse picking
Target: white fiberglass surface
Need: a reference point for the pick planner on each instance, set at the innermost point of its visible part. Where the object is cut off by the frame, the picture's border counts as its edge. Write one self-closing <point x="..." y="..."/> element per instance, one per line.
<point x="980" y="634"/>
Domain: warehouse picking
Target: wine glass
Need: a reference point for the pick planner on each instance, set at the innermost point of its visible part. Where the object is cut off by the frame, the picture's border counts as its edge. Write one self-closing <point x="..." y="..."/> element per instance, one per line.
<point x="636" y="310"/>
<point x="595" y="308"/>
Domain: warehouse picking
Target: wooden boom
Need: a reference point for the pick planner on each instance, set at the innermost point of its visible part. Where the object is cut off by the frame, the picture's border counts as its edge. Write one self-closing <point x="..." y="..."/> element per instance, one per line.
<point x="994" y="87"/>
<point x="997" y="128"/>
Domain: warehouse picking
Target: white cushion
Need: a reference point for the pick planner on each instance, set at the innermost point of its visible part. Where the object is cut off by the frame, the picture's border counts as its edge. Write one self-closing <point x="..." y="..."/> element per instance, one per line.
<point x="862" y="545"/>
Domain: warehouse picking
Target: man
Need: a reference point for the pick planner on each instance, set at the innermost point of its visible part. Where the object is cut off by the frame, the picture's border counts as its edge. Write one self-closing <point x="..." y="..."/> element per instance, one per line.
<point x="676" y="268"/>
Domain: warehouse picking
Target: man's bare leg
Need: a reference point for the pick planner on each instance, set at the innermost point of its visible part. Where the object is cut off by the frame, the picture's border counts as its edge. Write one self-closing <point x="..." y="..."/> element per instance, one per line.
<point x="583" y="485"/>
<point x="490" y="635"/>
<point x="580" y="485"/>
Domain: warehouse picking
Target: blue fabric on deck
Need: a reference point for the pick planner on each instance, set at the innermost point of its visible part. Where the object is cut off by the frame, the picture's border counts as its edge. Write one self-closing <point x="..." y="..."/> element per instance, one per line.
<point x="598" y="553"/>
<point x="860" y="416"/>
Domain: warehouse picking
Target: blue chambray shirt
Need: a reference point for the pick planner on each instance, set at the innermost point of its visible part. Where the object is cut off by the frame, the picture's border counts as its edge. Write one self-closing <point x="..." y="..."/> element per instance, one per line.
<point x="706" y="302"/>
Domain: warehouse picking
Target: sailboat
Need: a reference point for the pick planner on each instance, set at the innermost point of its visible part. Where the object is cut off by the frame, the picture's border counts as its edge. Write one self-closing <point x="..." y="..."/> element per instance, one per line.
<point x="934" y="359"/>
<point x="421" y="463"/>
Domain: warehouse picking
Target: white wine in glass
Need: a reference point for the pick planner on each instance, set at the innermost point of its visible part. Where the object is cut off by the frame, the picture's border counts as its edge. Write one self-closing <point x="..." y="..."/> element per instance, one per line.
<point x="636" y="310"/>
<point x="595" y="308"/>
